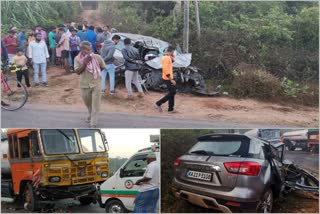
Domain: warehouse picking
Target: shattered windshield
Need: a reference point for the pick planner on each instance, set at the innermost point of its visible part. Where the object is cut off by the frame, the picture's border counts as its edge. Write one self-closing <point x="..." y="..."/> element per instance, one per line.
<point x="59" y="141"/>
<point x="91" y="140"/>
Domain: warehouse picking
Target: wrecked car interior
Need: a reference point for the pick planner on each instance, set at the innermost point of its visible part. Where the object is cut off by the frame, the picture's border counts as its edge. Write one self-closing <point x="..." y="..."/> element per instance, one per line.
<point x="189" y="78"/>
<point x="293" y="177"/>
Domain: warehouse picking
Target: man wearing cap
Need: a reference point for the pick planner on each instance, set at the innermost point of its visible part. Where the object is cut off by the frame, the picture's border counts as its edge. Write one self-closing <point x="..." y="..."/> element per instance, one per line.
<point x="148" y="195"/>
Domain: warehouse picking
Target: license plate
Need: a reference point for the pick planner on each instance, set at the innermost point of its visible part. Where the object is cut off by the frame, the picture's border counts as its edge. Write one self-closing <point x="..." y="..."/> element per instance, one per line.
<point x="199" y="175"/>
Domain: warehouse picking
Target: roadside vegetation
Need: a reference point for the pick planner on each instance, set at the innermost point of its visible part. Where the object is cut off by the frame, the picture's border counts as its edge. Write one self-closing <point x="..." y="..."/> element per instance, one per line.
<point x="263" y="50"/>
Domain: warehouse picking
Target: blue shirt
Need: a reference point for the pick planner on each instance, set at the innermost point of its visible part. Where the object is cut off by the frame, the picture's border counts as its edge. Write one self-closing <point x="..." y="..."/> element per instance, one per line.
<point x="82" y="35"/>
<point x="91" y="36"/>
<point x="22" y="40"/>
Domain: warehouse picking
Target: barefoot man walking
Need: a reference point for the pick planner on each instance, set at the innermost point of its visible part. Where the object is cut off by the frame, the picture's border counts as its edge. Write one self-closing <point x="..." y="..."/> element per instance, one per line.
<point x="89" y="65"/>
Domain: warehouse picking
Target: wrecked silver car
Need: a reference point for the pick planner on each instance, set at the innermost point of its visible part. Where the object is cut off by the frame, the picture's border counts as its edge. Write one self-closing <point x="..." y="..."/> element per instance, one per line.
<point x="236" y="173"/>
<point x="189" y="78"/>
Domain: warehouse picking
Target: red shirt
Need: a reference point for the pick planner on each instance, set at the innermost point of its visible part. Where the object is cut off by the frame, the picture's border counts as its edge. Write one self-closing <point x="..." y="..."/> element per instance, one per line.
<point x="10" y="40"/>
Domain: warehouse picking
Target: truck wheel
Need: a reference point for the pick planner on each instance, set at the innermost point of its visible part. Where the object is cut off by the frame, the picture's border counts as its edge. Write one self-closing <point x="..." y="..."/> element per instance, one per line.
<point x="115" y="206"/>
<point x="29" y="198"/>
<point x="266" y="203"/>
<point x="86" y="200"/>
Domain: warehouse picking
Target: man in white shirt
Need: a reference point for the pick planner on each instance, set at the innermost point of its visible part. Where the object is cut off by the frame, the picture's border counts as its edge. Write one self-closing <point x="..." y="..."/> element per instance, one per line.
<point x="39" y="56"/>
<point x="148" y="195"/>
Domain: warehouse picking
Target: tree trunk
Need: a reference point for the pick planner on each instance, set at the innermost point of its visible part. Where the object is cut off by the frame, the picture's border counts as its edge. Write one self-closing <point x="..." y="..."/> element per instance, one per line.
<point x="196" y="4"/>
<point x="176" y="9"/>
<point x="186" y="27"/>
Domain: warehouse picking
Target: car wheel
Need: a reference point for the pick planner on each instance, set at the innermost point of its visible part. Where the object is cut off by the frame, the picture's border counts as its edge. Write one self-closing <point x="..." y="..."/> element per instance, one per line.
<point x="266" y="203"/>
<point x="115" y="206"/>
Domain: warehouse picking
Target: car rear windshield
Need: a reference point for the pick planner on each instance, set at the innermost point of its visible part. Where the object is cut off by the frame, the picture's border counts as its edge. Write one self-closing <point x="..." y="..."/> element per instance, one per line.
<point x="231" y="148"/>
<point x="223" y="148"/>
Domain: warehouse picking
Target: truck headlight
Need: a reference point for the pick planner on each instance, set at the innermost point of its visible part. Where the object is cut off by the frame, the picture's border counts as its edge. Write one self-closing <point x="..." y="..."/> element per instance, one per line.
<point x="104" y="174"/>
<point x="54" y="179"/>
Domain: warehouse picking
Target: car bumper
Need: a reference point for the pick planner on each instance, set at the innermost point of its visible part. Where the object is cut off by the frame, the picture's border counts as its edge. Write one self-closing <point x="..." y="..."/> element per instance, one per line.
<point x="220" y="200"/>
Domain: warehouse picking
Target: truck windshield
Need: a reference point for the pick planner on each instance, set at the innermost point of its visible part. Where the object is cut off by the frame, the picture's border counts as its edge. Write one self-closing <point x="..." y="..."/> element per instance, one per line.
<point x="59" y="141"/>
<point x="91" y="140"/>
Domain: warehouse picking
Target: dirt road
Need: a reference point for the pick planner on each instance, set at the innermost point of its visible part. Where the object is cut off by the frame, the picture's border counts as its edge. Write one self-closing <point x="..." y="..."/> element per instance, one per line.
<point x="64" y="92"/>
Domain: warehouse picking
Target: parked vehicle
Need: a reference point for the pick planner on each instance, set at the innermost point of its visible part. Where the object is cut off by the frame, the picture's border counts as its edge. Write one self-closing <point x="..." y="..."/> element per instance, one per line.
<point x="118" y="193"/>
<point x="42" y="165"/>
<point x="296" y="139"/>
<point x="313" y="140"/>
<point x="270" y="135"/>
<point x="230" y="172"/>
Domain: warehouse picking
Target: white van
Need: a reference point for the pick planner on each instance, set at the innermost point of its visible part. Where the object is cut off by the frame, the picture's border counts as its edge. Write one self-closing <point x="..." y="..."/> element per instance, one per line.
<point x="117" y="194"/>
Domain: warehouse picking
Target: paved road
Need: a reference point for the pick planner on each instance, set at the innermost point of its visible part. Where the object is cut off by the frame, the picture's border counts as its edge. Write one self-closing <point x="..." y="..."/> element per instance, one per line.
<point x="42" y="117"/>
<point x="304" y="159"/>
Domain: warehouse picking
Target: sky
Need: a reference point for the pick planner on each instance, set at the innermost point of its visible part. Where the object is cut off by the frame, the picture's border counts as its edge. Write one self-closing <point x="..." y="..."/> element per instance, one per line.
<point x="126" y="142"/>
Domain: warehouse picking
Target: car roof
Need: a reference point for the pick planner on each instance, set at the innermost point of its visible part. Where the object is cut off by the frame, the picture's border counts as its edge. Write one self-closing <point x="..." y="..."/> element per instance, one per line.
<point x="221" y="135"/>
<point x="136" y="37"/>
<point x="208" y="137"/>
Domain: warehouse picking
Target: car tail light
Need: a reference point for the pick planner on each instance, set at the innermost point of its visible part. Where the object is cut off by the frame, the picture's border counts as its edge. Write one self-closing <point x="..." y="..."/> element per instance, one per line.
<point x="243" y="168"/>
<point x="177" y="162"/>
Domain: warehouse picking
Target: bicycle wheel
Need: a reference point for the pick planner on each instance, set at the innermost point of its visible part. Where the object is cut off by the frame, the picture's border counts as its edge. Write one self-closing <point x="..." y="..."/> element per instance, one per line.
<point x="13" y="95"/>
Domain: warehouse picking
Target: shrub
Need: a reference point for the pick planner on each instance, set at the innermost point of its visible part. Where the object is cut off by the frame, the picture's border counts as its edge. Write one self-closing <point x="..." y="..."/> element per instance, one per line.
<point x="255" y="84"/>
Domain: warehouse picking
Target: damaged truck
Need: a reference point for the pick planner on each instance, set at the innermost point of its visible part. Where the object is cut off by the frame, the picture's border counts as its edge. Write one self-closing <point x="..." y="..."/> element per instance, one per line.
<point x="189" y="78"/>
<point x="39" y="166"/>
<point x="237" y="173"/>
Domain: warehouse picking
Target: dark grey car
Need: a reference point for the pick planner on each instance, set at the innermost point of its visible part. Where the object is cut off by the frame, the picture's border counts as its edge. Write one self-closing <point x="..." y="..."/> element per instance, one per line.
<point x="229" y="173"/>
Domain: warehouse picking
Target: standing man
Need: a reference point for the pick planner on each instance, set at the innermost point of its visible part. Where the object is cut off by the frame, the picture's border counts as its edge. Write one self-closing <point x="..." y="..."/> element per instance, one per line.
<point x="107" y="52"/>
<point x="11" y="43"/>
<point x="43" y="33"/>
<point x="89" y="65"/>
<point x="100" y="39"/>
<point x="85" y="25"/>
<point x="133" y="65"/>
<point x="39" y="56"/>
<point x="82" y="33"/>
<point x="106" y="32"/>
<point x="22" y="40"/>
<point x="168" y="78"/>
<point x="91" y="37"/>
<point x="74" y="42"/>
<point x="65" y="47"/>
<point x="148" y="195"/>
<point x="52" y="45"/>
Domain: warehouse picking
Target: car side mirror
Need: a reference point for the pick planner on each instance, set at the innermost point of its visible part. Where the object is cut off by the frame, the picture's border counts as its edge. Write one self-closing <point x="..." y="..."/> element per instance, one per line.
<point x="121" y="173"/>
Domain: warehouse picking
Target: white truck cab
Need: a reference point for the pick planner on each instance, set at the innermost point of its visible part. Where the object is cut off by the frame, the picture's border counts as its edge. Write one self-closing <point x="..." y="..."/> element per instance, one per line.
<point x="119" y="192"/>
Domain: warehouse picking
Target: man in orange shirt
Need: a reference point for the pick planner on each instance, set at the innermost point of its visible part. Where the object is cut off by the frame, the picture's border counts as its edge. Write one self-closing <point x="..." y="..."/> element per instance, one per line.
<point x="168" y="78"/>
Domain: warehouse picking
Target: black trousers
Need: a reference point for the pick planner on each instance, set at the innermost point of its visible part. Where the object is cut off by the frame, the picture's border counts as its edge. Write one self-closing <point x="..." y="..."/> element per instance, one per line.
<point x="169" y="96"/>
<point x="25" y="74"/>
<point x="73" y="55"/>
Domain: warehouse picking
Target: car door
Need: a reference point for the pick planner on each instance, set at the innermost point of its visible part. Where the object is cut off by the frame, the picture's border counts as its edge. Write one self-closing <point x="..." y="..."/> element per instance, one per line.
<point x="132" y="171"/>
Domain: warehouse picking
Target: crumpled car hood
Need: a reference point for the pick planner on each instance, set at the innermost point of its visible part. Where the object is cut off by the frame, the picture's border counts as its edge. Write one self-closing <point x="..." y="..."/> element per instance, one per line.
<point x="180" y="61"/>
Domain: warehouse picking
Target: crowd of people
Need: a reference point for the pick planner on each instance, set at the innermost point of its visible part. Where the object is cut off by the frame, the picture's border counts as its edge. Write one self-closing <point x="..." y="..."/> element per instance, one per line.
<point x="86" y="50"/>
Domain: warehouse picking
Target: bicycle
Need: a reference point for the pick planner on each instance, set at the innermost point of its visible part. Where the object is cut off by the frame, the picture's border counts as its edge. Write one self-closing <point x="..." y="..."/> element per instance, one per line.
<point x="13" y="93"/>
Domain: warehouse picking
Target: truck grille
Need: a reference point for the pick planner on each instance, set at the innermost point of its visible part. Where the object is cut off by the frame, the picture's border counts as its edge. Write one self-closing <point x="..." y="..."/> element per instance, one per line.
<point x="83" y="180"/>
